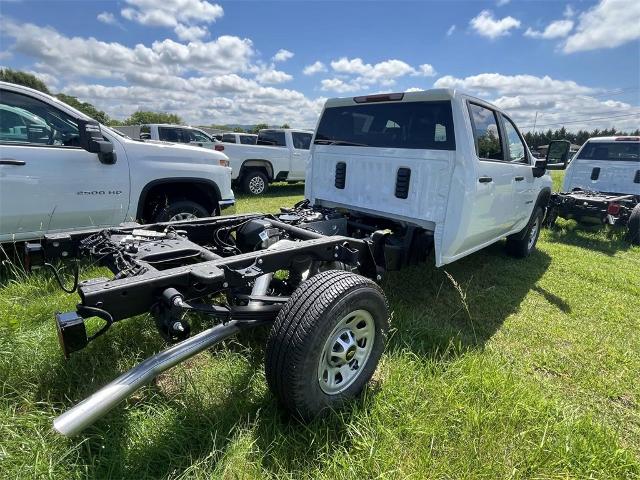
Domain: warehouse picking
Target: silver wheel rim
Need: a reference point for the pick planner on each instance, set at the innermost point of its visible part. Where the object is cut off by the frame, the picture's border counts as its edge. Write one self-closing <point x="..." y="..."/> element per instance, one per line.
<point x="256" y="185"/>
<point x="183" y="216"/>
<point x="346" y="352"/>
<point x="534" y="233"/>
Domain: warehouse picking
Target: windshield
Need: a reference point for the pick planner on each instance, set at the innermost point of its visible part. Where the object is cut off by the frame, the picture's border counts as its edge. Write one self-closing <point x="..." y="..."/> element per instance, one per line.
<point x="419" y="125"/>
<point x="621" y="151"/>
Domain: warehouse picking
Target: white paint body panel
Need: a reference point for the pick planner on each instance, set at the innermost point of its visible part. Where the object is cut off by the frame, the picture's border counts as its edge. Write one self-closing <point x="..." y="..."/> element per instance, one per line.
<point x="445" y="195"/>
<point x="53" y="191"/>
<point x="281" y="159"/>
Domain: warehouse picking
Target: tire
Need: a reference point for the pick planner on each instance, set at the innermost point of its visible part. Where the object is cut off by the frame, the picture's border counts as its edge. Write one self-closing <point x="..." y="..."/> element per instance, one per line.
<point x="326" y="314"/>
<point x="521" y="244"/>
<point x="255" y="182"/>
<point x="633" y="224"/>
<point x="180" y="210"/>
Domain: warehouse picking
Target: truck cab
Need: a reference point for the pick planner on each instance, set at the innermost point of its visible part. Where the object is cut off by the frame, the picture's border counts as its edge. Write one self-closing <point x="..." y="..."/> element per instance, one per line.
<point x="180" y="134"/>
<point x="442" y="161"/>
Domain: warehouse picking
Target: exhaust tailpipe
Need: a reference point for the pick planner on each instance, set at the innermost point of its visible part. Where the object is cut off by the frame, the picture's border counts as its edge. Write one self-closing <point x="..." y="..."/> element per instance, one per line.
<point x="89" y="410"/>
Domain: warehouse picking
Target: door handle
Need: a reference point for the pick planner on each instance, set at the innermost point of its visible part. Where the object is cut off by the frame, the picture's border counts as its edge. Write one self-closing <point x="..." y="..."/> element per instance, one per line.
<point x="12" y="161"/>
<point x="519" y="179"/>
<point x="485" y="179"/>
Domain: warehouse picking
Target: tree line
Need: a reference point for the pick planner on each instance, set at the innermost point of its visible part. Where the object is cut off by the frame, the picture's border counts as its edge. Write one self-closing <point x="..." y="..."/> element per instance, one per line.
<point x="537" y="139"/>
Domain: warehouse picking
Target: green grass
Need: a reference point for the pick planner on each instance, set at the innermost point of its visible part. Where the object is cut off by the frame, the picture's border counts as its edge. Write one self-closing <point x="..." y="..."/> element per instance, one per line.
<point x="496" y="368"/>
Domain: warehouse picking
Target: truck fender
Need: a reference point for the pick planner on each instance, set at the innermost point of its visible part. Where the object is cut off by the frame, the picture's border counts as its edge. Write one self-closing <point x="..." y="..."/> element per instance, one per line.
<point x="542" y="201"/>
<point x="209" y="184"/>
<point x="258" y="163"/>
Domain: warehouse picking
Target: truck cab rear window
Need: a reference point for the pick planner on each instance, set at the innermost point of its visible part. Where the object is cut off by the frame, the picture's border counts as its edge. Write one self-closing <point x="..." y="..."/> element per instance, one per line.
<point x="417" y="125"/>
<point x="621" y="151"/>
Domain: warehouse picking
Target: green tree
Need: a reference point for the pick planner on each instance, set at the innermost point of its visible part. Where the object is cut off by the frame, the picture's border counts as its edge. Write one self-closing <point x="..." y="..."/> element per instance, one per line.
<point x="285" y="125"/>
<point x="258" y="127"/>
<point x="85" y="108"/>
<point x="239" y="130"/>
<point x="23" y="78"/>
<point x="141" y="117"/>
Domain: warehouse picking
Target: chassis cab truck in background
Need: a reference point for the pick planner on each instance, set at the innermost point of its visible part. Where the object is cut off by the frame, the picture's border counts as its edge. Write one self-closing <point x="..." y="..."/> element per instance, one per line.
<point x="391" y="178"/>
<point x="60" y="171"/>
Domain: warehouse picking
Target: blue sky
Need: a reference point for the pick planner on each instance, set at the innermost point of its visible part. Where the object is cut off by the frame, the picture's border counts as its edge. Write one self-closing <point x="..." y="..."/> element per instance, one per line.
<point x="218" y="62"/>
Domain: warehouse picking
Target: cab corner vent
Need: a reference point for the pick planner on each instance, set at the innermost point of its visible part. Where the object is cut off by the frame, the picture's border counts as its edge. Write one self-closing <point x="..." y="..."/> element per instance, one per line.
<point x="595" y="173"/>
<point x="341" y="175"/>
<point x="636" y="179"/>
<point x="402" y="182"/>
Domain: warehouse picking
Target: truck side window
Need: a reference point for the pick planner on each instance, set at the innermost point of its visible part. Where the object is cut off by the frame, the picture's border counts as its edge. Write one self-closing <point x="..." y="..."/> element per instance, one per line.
<point x="198" y="136"/>
<point x="229" y="138"/>
<point x="517" y="149"/>
<point x="486" y="133"/>
<point x="272" y="138"/>
<point x="27" y="120"/>
<point x="167" y="134"/>
<point x="248" y="139"/>
<point x="301" y="141"/>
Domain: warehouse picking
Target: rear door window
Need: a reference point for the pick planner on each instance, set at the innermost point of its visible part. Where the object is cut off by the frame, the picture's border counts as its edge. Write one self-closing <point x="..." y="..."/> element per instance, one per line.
<point x="272" y="138"/>
<point x="417" y="125"/>
<point x="620" y="151"/>
<point x="229" y="138"/>
<point x="248" y="139"/>
<point x="169" y="134"/>
<point x="301" y="141"/>
<point x="486" y="133"/>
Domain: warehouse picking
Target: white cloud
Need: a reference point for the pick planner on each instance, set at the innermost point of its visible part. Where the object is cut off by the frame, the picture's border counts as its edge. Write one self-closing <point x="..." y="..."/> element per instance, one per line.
<point x="609" y="24"/>
<point x="501" y="3"/>
<point x="450" y="30"/>
<point x="340" y="86"/>
<point x="425" y="70"/>
<point x="191" y="33"/>
<point x="203" y="82"/>
<point x="555" y="101"/>
<point x="556" y="29"/>
<point x="107" y="18"/>
<point x="315" y="67"/>
<point x="487" y="25"/>
<point x="414" y="89"/>
<point x="569" y="11"/>
<point x="273" y="76"/>
<point x="282" y="55"/>
<point x="168" y="13"/>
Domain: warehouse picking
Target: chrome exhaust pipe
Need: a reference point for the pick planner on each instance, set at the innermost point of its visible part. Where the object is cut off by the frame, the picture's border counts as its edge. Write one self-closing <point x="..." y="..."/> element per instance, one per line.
<point x="76" y="419"/>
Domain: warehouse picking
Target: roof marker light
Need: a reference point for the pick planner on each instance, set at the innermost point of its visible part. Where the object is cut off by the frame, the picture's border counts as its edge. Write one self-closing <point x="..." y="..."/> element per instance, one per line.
<point x="384" y="97"/>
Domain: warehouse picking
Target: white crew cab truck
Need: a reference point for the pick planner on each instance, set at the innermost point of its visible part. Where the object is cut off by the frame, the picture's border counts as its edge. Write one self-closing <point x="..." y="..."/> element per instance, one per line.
<point x="165" y="132"/>
<point x="439" y="160"/>
<point x="602" y="185"/>
<point x="60" y="170"/>
<point x="279" y="155"/>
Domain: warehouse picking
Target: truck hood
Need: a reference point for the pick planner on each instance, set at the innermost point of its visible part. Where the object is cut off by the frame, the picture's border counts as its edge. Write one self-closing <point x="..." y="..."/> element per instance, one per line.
<point x="172" y="151"/>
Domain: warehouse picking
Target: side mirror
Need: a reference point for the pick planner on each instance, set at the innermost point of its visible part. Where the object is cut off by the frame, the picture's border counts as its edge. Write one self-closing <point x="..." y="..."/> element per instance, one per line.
<point x="92" y="141"/>
<point x="539" y="168"/>
<point x="558" y="155"/>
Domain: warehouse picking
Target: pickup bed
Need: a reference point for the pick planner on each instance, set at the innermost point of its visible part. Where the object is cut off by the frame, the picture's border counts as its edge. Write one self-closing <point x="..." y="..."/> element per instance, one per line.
<point x="60" y="170"/>
<point x="279" y="155"/>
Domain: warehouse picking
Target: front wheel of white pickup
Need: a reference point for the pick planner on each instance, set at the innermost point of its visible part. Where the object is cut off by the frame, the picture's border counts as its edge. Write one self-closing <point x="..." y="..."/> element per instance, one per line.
<point x="326" y="342"/>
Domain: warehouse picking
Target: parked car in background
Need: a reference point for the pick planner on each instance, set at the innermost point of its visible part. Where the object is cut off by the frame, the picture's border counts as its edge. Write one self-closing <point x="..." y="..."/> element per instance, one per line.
<point x="60" y="170"/>
<point x="180" y="134"/>
<point x="279" y="155"/>
<point x="240" y="138"/>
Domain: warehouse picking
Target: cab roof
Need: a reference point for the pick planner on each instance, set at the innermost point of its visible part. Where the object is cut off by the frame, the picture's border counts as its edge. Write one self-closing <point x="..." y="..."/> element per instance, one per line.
<point x="618" y="138"/>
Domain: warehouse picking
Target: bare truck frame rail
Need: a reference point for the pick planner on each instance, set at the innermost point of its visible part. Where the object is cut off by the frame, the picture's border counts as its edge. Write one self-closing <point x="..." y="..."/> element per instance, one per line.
<point x="294" y="271"/>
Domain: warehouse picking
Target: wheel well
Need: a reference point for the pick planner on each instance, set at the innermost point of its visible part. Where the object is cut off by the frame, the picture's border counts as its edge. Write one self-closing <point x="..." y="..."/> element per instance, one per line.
<point x="543" y="198"/>
<point x="261" y="165"/>
<point x="159" y="193"/>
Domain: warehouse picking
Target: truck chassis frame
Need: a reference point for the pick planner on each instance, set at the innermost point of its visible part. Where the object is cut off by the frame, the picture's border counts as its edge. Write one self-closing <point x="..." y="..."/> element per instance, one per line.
<point x="225" y="268"/>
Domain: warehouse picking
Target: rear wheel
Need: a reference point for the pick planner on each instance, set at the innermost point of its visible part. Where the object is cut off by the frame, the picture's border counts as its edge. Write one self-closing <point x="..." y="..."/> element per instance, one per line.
<point x="255" y="182"/>
<point x="180" y="210"/>
<point x="326" y="342"/>
<point x="521" y="244"/>
<point x="633" y="224"/>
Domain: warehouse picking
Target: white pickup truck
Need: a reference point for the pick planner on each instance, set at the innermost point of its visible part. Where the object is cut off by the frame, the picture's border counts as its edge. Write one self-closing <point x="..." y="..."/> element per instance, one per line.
<point x="279" y="155"/>
<point x="60" y="170"/>
<point x="165" y="132"/>
<point x="239" y="138"/>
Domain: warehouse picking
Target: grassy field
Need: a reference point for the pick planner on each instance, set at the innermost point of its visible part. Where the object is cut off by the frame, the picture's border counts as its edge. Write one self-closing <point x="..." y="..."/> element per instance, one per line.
<point x="496" y="368"/>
